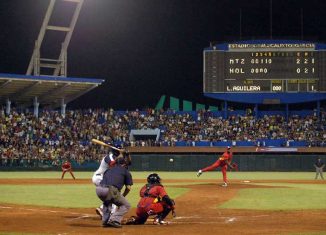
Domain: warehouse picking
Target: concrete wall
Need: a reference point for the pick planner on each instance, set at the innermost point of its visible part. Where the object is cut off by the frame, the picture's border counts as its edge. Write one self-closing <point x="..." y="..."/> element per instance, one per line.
<point x="193" y="162"/>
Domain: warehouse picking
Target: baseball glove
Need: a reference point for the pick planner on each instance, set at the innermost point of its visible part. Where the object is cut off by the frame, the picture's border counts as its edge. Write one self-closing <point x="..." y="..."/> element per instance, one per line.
<point x="235" y="166"/>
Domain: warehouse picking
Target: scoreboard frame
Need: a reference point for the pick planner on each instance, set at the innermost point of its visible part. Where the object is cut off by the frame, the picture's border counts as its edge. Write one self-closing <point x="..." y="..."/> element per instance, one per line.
<point x="265" y="67"/>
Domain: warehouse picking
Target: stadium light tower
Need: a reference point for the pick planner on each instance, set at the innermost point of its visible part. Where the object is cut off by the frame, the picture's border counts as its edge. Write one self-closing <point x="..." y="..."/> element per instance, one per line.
<point x="40" y="65"/>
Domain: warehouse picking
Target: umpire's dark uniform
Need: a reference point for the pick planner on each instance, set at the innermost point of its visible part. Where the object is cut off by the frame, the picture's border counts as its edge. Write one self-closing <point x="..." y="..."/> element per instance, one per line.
<point x="319" y="165"/>
<point x="109" y="192"/>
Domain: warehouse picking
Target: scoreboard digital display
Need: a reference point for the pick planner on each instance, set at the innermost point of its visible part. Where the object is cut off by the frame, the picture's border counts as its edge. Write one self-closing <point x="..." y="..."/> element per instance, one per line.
<point x="265" y="68"/>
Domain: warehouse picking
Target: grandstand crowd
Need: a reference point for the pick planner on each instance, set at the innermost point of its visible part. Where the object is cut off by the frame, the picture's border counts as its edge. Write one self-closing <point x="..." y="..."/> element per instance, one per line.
<point x="27" y="140"/>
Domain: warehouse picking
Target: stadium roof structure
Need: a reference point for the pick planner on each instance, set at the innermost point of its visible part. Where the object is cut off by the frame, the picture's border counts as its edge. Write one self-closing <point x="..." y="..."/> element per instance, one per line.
<point x="49" y="90"/>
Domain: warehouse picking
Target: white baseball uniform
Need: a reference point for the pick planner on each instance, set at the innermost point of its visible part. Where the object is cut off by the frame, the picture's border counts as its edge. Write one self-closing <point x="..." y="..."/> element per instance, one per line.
<point x="104" y="165"/>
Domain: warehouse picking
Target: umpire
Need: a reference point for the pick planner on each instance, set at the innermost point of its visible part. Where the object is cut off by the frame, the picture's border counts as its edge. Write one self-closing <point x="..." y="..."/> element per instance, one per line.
<point x="319" y="165"/>
<point x="109" y="192"/>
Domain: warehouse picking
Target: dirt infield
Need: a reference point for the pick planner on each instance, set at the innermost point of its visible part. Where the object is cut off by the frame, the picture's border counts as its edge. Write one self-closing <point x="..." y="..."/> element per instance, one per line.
<point x="196" y="214"/>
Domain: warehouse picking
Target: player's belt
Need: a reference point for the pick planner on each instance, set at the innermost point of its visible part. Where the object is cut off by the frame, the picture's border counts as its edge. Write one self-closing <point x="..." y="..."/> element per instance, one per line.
<point x="107" y="186"/>
<point x="98" y="174"/>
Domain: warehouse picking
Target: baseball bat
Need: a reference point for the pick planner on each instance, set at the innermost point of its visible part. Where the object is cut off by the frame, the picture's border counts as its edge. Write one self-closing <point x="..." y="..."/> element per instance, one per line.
<point x="96" y="141"/>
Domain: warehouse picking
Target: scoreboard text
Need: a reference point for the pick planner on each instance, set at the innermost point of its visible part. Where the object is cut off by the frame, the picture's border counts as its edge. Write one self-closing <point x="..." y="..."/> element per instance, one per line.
<point x="255" y="68"/>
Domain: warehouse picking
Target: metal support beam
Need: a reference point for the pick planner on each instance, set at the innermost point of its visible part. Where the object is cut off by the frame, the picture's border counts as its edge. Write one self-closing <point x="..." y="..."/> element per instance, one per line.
<point x="65" y="44"/>
<point x="40" y="36"/>
<point x="8" y="106"/>
<point x="58" y="28"/>
<point x="5" y="84"/>
<point x="57" y="90"/>
<point x="76" y="1"/>
<point x="256" y="111"/>
<point x="318" y="110"/>
<point x="70" y="98"/>
<point x="58" y="68"/>
<point x="36" y="106"/>
<point x="25" y="90"/>
<point x="63" y="107"/>
<point x="225" y="109"/>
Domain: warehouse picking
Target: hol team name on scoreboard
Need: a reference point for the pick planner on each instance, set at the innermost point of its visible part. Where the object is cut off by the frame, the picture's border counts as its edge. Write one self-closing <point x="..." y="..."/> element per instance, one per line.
<point x="262" y="62"/>
<point x="263" y="68"/>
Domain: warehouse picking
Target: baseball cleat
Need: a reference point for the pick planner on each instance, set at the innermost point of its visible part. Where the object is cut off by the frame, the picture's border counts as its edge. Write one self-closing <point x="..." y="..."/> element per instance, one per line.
<point x="199" y="173"/>
<point x="160" y="222"/>
<point x="114" y="224"/>
<point x="131" y="220"/>
<point x="99" y="212"/>
<point x="224" y="185"/>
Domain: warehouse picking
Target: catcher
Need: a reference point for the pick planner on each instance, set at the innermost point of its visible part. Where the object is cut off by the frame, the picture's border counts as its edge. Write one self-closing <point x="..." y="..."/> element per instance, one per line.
<point x="154" y="201"/>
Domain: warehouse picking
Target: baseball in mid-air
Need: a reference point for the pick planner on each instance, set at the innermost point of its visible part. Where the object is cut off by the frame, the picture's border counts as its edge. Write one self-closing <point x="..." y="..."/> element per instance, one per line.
<point x="171" y="160"/>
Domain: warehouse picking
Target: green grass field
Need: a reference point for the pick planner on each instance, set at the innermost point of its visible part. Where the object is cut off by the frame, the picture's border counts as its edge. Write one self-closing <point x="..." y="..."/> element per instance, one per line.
<point x="170" y="175"/>
<point x="288" y="196"/>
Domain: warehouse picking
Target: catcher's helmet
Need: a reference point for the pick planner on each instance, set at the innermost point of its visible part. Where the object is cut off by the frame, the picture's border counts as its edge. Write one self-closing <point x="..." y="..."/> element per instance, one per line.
<point x="116" y="152"/>
<point x="154" y="179"/>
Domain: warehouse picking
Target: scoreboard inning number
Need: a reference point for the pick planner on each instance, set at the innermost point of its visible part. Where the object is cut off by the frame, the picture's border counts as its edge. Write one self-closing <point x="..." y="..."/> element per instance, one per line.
<point x="264" y="68"/>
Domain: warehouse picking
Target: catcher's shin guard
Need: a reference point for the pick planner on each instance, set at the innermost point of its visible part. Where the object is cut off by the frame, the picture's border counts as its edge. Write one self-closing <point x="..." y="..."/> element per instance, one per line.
<point x="161" y="216"/>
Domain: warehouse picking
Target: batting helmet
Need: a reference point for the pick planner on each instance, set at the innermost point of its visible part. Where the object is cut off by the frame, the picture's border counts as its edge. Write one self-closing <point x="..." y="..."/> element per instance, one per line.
<point x="121" y="161"/>
<point x="154" y="179"/>
<point x="116" y="152"/>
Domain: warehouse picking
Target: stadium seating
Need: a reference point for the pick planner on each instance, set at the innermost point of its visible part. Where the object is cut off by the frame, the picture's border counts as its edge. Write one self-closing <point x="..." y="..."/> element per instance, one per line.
<point x="51" y="136"/>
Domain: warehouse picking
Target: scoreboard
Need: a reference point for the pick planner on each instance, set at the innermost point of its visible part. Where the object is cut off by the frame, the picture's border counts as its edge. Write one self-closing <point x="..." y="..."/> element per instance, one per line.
<point x="265" y="68"/>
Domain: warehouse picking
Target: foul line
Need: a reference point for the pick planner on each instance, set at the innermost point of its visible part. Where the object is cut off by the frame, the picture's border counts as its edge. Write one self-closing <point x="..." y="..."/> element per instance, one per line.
<point x="176" y="220"/>
<point x="81" y="216"/>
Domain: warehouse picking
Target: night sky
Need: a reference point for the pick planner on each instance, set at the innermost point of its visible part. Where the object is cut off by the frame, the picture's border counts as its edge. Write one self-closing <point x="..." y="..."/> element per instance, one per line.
<point x="148" y="48"/>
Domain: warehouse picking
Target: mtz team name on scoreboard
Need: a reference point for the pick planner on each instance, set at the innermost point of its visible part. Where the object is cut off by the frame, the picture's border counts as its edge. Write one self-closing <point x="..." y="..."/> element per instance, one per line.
<point x="271" y="64"/>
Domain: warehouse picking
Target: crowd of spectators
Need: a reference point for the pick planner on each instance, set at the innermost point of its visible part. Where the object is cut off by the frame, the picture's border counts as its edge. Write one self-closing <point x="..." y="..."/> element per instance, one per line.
<point x="50" y="138"/>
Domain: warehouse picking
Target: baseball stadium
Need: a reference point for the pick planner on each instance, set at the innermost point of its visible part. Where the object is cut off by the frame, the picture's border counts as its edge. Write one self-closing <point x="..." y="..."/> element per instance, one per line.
<point x="250" y="162"/>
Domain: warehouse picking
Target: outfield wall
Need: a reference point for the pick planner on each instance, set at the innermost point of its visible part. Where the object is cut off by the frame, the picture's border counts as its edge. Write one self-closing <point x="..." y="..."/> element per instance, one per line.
<point x="246" y="162"/>
<point x="186" y="162"/>
<point x="248" y="158"/>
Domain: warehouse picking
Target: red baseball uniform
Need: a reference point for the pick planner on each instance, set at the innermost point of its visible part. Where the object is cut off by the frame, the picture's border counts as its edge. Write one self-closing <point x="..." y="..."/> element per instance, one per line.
<point x="150" y="202"/>
<point x="66" y="167"/>
<point x="222" y="162"/>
